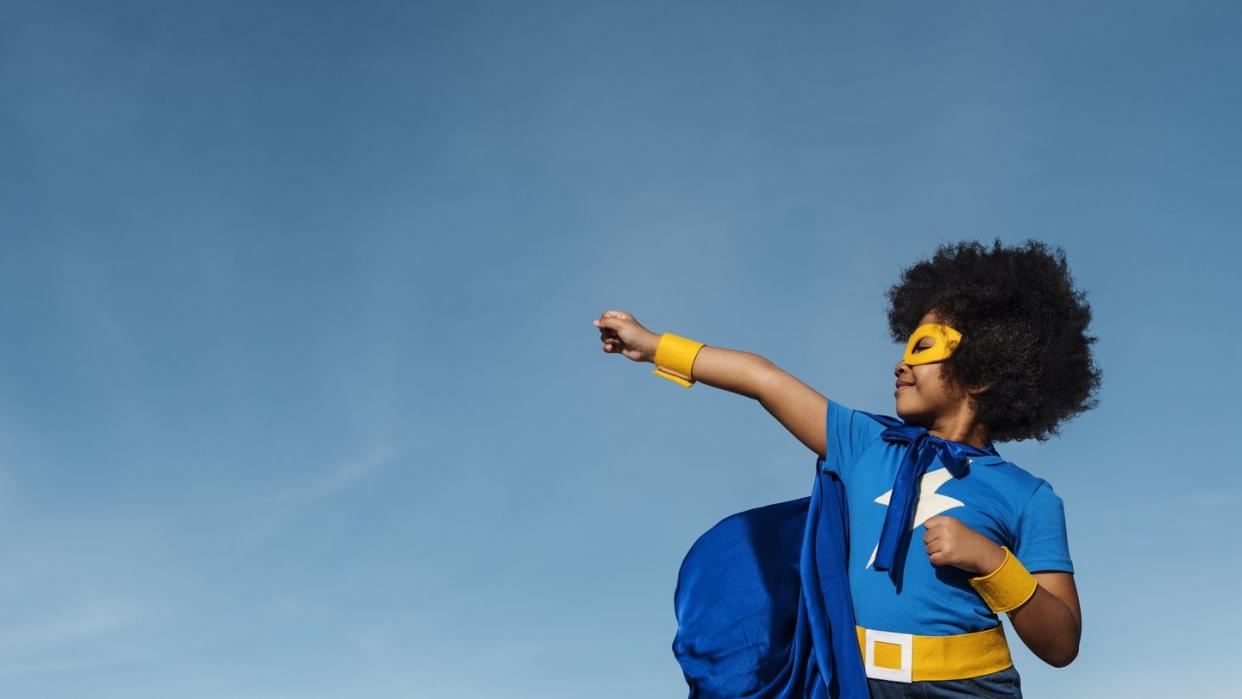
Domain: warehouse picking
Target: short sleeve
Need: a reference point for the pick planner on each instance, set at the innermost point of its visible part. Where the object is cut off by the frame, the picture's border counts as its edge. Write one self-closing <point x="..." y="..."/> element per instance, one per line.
<point x="1042" y="544"/>
<point x="848" y="432"/>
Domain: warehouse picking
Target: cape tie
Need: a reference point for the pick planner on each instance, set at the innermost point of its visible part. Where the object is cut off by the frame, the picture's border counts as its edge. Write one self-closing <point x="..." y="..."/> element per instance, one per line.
<point x="924" y="448"/>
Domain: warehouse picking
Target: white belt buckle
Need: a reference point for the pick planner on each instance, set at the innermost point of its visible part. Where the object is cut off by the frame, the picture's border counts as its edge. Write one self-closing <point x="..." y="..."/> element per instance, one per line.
<point x="905" y="640"/>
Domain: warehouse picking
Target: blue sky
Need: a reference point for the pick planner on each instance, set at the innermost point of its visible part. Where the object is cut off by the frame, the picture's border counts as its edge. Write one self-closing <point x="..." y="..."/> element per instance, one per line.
<point x="299" y="395"/>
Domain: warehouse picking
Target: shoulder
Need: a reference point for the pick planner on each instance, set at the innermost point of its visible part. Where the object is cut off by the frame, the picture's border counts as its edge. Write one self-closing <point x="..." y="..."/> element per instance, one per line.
<point x="849" y="433"/>
<point x="1021" y="487"/>
<point x="1041" y="541"/>
<point x="856" y="428"/>
<point x="859" y="418"/>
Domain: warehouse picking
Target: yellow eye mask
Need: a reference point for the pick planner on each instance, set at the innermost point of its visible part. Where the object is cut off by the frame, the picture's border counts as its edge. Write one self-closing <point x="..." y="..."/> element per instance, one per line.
<point x="946" y="340"/>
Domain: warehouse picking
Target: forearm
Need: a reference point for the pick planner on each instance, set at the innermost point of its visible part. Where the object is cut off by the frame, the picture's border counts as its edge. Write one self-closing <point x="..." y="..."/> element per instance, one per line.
<point x="798" y="407"/>
<point x="1048" y="627"/>
<point x="732" y="370"/>
<point x="1049" y="621"/>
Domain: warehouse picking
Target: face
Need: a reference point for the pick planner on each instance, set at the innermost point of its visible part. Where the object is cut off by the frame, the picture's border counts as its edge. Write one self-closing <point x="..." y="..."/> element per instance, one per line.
<point x="920" y="392"/>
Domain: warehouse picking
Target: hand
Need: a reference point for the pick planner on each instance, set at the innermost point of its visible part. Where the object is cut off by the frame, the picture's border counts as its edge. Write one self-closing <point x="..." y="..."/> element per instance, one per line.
<point x="621" y="333"/>
<point x="949" y="542"/>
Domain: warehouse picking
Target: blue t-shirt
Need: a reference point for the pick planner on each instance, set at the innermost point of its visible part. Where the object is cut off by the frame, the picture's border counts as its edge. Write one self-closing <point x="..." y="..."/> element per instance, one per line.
<point x="995" y="498"/>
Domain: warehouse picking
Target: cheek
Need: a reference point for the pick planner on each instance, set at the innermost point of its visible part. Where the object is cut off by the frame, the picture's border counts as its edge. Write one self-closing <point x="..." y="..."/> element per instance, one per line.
<point x="929" y="385"/>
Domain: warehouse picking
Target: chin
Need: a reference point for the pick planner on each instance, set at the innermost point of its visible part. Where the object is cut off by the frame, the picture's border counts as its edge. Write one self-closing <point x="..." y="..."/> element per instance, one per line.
<point x="901" y="405"/>
<point x="913" y="417"/>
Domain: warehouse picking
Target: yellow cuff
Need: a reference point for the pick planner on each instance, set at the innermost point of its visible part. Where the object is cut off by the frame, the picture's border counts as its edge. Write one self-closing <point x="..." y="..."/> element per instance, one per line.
<point x="1008" y="587"/>
<point x="674" y="357"/>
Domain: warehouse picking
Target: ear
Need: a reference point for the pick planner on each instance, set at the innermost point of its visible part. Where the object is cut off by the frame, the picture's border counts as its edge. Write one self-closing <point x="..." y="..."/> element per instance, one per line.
<point x="978" y="390"/>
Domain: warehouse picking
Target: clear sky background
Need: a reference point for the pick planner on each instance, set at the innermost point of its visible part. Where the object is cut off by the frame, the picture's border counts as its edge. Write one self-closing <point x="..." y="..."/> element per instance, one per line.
<point x="299" y="394"/>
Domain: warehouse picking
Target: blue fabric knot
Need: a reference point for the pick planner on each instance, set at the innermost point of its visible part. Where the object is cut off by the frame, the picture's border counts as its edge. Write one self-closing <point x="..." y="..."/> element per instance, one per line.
<point x="924" y="448"/>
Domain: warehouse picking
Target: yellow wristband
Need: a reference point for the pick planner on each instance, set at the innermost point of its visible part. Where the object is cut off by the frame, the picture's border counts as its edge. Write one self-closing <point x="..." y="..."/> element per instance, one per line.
<point x="674" y="357"/>
<point x="1008" y="587"/>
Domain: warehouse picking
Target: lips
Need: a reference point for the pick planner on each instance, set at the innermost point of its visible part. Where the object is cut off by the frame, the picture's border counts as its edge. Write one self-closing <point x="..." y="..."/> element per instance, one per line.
<point x="900" y="384"/>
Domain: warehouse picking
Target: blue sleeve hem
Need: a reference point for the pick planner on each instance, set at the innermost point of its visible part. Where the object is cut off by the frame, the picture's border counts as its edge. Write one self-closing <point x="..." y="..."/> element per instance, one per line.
<point x="1048" y="566"/>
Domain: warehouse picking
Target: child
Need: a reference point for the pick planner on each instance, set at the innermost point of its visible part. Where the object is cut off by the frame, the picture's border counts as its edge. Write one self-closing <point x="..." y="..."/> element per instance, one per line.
<point x="936" y="530"/>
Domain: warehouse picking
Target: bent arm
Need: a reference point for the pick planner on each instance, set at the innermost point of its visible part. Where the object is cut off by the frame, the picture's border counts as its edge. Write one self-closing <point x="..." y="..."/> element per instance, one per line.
<point x="797" y="406"/>
<point x="1050" y="622"/>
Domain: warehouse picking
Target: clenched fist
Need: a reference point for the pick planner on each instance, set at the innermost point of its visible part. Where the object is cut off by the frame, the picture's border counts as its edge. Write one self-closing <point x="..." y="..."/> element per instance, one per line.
<point x="622" y="334"/>
<point x="949" y="542"/>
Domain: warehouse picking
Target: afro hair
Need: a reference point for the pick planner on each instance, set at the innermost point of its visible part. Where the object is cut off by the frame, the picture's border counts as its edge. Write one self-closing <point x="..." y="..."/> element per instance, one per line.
<point x="1024" y="332"/>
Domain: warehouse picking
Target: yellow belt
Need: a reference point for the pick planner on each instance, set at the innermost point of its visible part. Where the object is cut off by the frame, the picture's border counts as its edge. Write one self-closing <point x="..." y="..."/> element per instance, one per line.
<point x="904" y="657"/>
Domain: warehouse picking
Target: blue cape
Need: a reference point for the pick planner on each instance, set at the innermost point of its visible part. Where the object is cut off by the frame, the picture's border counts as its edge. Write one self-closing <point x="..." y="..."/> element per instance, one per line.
<point x="763" y="603"/>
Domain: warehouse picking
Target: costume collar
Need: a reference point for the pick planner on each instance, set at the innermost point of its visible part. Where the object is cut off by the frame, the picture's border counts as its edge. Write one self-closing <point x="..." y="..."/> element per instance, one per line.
<point x="903" y="432"/>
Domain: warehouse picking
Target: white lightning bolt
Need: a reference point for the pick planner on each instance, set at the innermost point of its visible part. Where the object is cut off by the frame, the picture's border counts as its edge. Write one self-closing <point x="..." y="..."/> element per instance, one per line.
<point x="930" y="502"/>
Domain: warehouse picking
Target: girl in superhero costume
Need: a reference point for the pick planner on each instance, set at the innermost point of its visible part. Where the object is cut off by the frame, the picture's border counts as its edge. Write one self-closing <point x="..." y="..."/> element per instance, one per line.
<point x="832" y="595"/>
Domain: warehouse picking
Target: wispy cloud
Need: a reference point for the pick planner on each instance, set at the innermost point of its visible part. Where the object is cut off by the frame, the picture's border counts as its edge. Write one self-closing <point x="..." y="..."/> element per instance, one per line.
<point x="96" y="618"/>
<point x="340" y="477"/>
<point x="270" y="515"/>
<point x="54" y="640"/>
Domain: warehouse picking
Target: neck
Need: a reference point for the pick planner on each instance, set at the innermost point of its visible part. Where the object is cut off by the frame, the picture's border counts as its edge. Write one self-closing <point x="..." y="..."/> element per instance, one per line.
<point x="973" y="439"/>
<point x="961" y="427"/>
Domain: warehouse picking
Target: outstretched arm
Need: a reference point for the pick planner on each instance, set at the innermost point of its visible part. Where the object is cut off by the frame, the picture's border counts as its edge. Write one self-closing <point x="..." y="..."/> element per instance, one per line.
<point x="797" y="406"/>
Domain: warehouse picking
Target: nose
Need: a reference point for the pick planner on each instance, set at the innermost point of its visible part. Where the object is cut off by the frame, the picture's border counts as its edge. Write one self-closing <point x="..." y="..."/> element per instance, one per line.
<point x="900" y="369"/>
